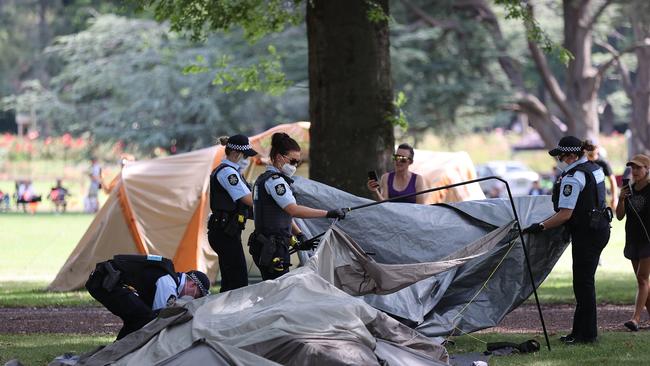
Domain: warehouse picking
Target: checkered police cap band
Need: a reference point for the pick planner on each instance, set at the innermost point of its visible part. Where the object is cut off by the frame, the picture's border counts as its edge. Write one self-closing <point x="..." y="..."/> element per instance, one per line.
<point x="569" y="149"/>
<point x="239" y="147"/>
<point x="195" y="278"/>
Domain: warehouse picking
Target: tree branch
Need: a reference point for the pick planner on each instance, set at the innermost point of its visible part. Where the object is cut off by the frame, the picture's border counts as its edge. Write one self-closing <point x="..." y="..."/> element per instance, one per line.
<point x="616" y="55"/>
<point x="597" y="14"/>
<point x="549" y="80"/>
<point x="444" y="24"/>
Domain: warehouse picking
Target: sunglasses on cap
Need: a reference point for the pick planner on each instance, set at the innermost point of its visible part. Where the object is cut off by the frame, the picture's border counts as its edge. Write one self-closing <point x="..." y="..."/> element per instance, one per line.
<point x="294" y="162"/>
<point x="401" y="158"/>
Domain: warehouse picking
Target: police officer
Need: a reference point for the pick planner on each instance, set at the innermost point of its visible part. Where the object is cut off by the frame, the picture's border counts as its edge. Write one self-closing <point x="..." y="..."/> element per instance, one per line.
<point x="579" y="199"/>
<point x="230" y="202"/>
<point x="137" y="287"/>
<point x="275" y="206"/>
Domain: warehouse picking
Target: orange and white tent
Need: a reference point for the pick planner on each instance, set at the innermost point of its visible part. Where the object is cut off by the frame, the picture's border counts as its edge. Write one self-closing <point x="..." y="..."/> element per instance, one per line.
<point x="161" y="206"/>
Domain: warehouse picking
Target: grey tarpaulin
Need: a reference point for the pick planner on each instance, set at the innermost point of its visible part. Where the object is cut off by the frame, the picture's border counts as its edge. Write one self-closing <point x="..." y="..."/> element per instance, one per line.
<point x="399" y="233"/>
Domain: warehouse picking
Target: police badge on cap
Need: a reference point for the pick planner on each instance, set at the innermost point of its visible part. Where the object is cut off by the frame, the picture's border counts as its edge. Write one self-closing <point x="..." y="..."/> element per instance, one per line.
<point x="240" y="143"/>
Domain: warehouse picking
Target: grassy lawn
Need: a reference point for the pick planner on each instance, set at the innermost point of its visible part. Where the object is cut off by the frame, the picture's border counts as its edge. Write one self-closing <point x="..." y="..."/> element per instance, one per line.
<point x="613" y="348"/>
<point x="40" y="349"/>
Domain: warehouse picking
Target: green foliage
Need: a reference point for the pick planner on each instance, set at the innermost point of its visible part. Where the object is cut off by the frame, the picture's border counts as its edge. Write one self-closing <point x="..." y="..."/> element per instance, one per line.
<point x="264" y="76"/>
<point x="451" y="77"/>
<point x="129" y="80"/>
<point x="399" y="120"/>
<point x="256" y="17"/>
<point x="517" y="9"/>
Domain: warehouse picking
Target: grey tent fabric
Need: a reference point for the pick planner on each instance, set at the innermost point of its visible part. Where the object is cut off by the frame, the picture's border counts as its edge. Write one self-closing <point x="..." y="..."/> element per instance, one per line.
<point x="207" y="352"/>
<point x="400" y="233"/>
<point x="297" y="319"/>
<point x="343" y="263"/>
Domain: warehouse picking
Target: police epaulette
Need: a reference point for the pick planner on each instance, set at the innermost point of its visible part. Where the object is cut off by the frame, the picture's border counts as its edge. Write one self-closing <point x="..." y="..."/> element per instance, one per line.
<point x="275" y="175"/>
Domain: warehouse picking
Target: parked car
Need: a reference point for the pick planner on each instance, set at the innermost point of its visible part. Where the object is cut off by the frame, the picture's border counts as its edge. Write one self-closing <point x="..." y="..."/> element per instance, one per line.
<point x="520" y="178"/>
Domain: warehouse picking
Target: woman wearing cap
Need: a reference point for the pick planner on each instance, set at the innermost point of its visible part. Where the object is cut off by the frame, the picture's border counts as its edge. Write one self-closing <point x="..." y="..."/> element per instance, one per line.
<point x="579" y="200"/>
<point x="401" y="181"/>
<point x="634" y="202"/>
<point x="230" y="201"/>
<point x="275" y="207"/>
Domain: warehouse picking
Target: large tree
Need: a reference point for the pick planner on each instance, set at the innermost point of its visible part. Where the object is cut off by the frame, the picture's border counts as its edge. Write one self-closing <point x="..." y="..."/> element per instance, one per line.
<point x="349" y="73"/>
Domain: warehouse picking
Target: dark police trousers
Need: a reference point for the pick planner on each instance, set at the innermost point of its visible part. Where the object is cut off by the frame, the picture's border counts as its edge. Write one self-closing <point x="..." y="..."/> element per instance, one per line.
<point x="232" y="263"/>
<point x="587" y="244"/>
<point x="123" y="302"/>
<point x="278" y="257"/>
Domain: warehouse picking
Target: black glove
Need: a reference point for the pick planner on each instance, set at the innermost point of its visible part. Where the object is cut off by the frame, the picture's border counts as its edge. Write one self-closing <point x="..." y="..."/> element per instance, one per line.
<point x="338" y="213"/>
<point x="535" y="228"/>
<point x="308" y="244"/>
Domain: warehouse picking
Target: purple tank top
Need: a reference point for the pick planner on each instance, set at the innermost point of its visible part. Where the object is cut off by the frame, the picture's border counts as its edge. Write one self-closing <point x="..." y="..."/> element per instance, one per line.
<point x="410" y="188"/>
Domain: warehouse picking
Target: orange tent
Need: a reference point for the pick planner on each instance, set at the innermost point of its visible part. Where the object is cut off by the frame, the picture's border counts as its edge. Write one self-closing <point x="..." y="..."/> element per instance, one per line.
<point x="161" y="206"/>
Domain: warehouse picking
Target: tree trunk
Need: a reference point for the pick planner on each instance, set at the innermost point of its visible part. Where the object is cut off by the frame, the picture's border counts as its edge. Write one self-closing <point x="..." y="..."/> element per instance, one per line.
<point x="582" y="81"/>
<point x="639" y="93"/>
<point x="350" y="93"/>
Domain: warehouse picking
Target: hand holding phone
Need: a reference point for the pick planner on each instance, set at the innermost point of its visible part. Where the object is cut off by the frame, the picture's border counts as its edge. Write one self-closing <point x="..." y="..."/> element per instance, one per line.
<point x="372" y="175"/>
<point x="373" y="181"/>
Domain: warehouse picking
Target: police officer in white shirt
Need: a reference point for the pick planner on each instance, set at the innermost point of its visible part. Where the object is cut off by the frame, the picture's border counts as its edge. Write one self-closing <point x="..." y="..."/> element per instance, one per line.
<point x="275" y="207"/>
<point x="231" y="203"/>
<point x="579" y="199"/>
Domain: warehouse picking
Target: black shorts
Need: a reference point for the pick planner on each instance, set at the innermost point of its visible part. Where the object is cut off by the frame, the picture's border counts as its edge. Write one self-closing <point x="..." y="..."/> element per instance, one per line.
<point x="636" y="251"/>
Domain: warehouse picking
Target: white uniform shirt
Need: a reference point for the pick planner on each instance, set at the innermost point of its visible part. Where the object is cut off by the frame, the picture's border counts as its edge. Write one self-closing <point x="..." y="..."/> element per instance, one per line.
<point x="230" y="179"/>
<point x="167" y="291"/>
<point x="572" y="185"/>
<point x="279" y="189"/>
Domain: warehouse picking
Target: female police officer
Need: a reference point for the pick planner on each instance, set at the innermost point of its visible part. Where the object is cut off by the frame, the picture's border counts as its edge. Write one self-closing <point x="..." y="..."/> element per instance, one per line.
<point x="230" y="200"/>
<point x="275" y="206"/>
<point x="579" y="202"/>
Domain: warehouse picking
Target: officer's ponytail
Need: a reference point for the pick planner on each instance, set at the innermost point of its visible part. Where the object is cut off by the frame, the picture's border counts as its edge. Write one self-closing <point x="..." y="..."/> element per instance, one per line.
<point x="281" y="143"/>
<point x="223" y="140"/>
<point x="587" y="145"/>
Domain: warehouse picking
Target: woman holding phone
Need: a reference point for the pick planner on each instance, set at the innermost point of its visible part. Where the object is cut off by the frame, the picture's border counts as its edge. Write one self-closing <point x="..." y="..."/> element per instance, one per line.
<point x="634" y="202"/>
<point x="399" y="182"/>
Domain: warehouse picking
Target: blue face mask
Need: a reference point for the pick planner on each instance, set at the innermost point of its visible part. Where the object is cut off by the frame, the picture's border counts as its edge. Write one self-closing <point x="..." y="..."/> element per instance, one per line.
<point x="562" y="165"/>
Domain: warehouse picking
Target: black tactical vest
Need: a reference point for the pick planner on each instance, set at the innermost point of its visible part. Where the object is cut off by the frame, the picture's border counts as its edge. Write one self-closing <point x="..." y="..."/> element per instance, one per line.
<point x="592" y="196"/>
<point x="220" y="200"/>
<point x="141" y="272"/>
<point x="270" y="219"/>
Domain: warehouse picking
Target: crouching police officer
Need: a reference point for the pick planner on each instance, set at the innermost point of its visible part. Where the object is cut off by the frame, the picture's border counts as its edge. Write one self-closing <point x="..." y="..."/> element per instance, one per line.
<point x="275" y="206"/>
<point x="230" y="201"/>
<point x="579" y="202"/>
<point x="137" y="287"/>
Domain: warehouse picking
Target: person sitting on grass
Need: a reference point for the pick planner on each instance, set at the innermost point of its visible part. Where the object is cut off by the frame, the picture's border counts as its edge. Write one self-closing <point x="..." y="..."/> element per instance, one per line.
<point x="58" y="194"/>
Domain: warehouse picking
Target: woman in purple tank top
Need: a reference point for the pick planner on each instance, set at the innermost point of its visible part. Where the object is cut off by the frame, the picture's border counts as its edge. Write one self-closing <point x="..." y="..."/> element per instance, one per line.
<point x="401" y="181"/>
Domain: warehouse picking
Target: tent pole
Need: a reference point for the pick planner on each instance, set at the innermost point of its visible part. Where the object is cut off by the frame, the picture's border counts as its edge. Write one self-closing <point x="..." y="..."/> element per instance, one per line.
<point x="530" y="271"/>
<point x="514" y="211"/>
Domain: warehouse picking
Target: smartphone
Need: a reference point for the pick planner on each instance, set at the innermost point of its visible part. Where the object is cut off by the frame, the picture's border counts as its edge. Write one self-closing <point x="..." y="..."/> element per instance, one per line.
<point x="372" y="175"/>
<point x="626" y="182"/>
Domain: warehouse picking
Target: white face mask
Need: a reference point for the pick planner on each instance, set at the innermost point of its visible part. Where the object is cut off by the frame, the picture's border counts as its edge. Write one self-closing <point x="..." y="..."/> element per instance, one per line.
<point x="244" y="163"/>
<point x="289" y="169"/>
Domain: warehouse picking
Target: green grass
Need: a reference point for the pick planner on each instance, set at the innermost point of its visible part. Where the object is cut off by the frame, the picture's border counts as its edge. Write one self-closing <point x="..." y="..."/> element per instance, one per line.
<point x="35" y="247"/>
<point x="613" y="348"/>
<point x="40" y="349"/>
<point x="33" y="294"/>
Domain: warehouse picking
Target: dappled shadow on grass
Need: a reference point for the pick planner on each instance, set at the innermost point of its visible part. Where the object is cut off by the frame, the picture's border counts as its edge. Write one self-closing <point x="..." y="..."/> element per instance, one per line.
<point x="613" y="348"/>
<point x="40" y="349"/>
<point x="611" y="288"/>
<point x="34" y="294"/>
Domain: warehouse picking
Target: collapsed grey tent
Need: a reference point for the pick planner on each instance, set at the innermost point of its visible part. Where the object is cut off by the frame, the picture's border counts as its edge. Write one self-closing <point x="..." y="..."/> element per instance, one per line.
<point x="437" y="268"/>
<point x="399" y="233"/>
